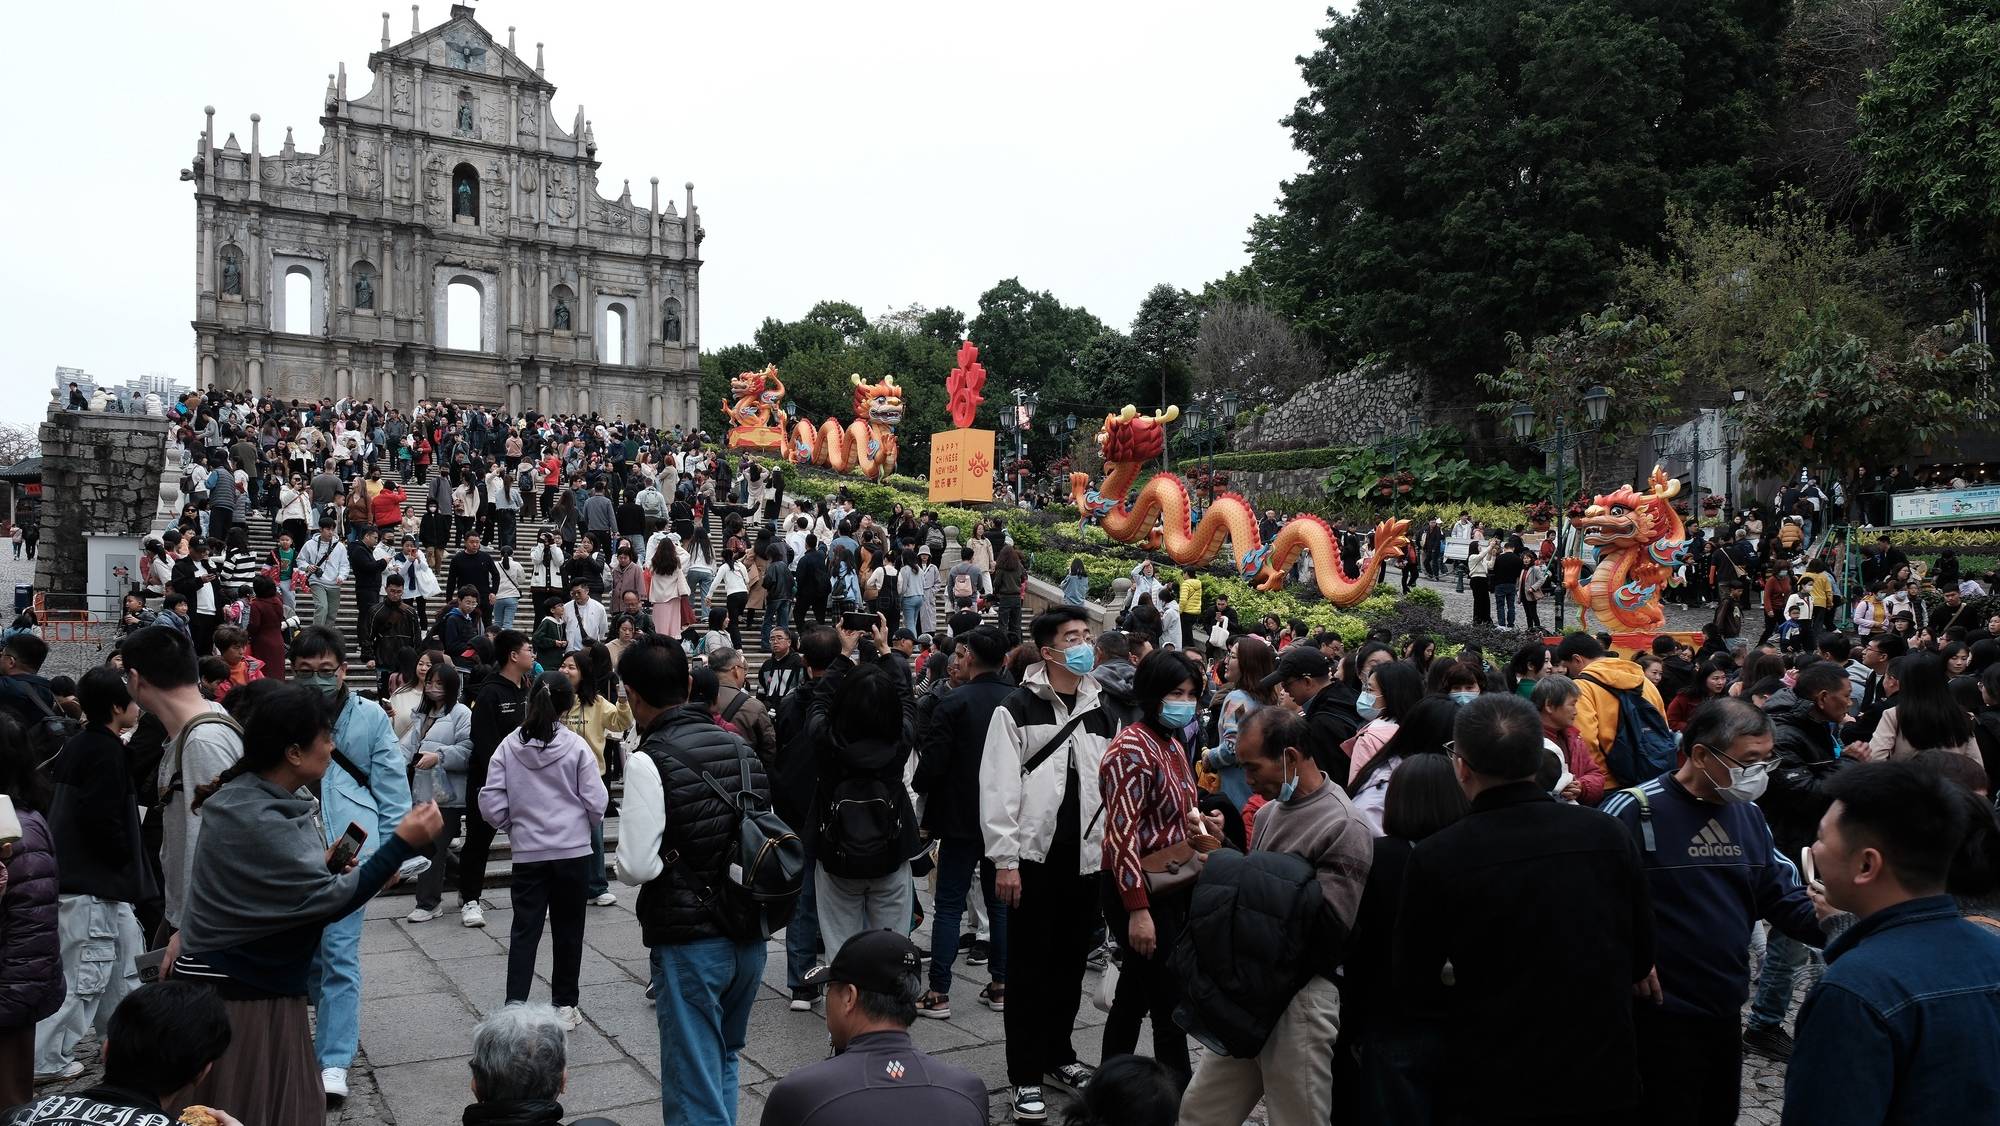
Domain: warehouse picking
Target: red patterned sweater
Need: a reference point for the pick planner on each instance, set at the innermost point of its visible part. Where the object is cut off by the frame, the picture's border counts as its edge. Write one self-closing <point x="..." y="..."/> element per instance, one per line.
<point x="1147" y="794"/>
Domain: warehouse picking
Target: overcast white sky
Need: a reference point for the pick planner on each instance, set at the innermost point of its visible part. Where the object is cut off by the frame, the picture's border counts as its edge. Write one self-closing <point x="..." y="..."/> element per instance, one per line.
<point x="878" y="152"/>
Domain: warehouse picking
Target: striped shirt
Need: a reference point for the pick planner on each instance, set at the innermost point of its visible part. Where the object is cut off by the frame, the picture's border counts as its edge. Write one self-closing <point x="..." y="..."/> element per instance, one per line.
<point x="1148" y="792"/>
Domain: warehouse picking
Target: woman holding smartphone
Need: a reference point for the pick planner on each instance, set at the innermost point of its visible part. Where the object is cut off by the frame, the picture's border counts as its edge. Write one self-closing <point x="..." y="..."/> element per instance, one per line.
<point x="262" y="889"/>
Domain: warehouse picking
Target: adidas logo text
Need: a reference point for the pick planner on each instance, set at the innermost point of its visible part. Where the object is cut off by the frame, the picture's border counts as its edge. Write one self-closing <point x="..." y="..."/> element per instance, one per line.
<point x="1711" y="841"/>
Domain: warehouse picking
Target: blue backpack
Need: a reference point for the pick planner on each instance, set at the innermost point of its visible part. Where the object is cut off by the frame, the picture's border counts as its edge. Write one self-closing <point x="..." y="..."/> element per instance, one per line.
<point x="1644" y="748"/>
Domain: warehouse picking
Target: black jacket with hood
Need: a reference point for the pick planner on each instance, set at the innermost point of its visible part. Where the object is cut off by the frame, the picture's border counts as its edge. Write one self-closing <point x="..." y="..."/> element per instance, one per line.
<point x="1806" y="753"/>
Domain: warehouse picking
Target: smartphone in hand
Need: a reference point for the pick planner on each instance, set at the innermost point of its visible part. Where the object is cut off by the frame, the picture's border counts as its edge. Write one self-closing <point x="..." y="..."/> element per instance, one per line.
<point x="346" y="848"/>
<point x="857" y="622"/>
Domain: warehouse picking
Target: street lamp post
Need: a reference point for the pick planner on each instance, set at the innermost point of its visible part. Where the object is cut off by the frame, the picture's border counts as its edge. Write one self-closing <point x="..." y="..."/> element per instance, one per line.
<point x="1396" y="446"/>
<point x="1208" y="435"/>
<point x="1025" y="402"/>
<point x="1596" y="403"/>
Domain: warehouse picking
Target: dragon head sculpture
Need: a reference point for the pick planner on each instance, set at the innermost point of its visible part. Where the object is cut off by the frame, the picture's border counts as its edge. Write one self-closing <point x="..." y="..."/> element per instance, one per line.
<point x="879" y="403"/>
<point x="1129" y="436"/>
<point x="762" y="386"/>
<point x="1631" y="519"/>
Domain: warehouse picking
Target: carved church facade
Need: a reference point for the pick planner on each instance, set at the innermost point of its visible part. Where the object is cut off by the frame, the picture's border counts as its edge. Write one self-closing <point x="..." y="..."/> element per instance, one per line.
<point x="446" y="194"/>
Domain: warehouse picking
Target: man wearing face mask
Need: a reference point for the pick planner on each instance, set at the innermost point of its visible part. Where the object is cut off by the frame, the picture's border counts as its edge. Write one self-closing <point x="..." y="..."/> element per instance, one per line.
<point x="1038" y="804"/>
<point x="366" y="785"/>
<point x="1714" y="870"/>
<point x="1307" y="815"/>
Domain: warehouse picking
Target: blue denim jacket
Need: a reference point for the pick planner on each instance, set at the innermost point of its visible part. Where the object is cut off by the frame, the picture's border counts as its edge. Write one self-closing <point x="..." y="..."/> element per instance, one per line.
<point x="1904" y="1027"/>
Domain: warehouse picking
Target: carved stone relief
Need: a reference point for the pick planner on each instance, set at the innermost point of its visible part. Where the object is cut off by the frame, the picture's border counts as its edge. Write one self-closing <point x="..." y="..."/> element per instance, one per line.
<point x="364" y="170"/>
<point x="399" y="94"/>
<point x="562" y="198"/>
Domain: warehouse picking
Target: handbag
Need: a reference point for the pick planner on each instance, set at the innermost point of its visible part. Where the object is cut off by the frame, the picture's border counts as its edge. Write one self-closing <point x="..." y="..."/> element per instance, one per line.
<point x="1175" y="868"/>
<point x="1106" y="992"/>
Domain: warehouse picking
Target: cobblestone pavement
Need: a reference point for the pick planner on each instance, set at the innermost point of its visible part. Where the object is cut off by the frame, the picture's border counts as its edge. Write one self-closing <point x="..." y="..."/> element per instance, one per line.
<point x="426" y="985"/>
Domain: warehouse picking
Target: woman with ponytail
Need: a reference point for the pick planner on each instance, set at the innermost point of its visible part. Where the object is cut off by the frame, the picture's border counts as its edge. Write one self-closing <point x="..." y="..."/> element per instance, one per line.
<point x="544" y="791"/>
<point x="263" y="886"/>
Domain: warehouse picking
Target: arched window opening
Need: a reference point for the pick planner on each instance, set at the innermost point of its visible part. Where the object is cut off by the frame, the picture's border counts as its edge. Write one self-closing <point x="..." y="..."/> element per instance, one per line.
<point x="299" y="301"/>
<point x="462" y="309"/>
<point x="614" y="334"/>
<point x="465" y="193"/>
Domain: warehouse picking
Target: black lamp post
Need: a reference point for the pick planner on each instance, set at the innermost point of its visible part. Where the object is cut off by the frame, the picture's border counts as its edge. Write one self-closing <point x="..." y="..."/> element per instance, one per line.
<point x="1210" y="434"/>
<point x="1596" y="402"/>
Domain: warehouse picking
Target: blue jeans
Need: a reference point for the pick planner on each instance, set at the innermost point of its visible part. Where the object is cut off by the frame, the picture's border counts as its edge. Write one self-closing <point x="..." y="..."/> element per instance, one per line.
<point x="334" y="986"/>
<point x="1503" y="604"/>
<point x="503" y="612"/>
<point x="597" y="884"/>
<point x="704" y="990"/>
<point x="913" y="612"/>
<point x="1782" y="958"/>
<point x="777" y="612"/>
<point x="802" y="944"/>
<point x="956" y="862"/>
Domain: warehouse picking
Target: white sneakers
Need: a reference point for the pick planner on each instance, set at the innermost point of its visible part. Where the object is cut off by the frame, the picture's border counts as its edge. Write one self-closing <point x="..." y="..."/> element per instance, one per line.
<point x="605" y="900"/>
<point x="334" y="1079"/>
<point x="423" y="914"/>
<point x="471" y="914"/>
<point x="569" y="1016"/>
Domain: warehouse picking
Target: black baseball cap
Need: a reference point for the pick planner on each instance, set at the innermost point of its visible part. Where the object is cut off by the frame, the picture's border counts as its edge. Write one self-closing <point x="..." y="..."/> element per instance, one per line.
<point x="879" y="961"/>
<point x="1298" y="662"/>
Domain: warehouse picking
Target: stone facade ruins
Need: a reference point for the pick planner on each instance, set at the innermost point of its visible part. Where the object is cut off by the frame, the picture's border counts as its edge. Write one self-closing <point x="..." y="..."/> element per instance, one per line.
<point x="100" y="477"/>
<point x="447" y="189"/>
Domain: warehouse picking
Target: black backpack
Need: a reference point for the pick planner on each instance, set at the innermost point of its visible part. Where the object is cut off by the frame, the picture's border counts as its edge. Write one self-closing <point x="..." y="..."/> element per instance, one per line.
<point x="48" y="732"/>
<point x="861" y="827"/>
<point x="1644" y="747"/>
<point x="764" y="871"/>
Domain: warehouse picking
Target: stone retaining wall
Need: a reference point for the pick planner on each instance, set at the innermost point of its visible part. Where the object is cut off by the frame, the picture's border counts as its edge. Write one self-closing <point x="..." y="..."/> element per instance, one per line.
<point x="1342" y="409"/>
<point x="100" y="473"/>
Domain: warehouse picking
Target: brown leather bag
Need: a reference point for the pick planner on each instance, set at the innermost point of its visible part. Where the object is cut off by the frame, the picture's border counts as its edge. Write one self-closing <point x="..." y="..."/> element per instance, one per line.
<point x="1175" y="868"/>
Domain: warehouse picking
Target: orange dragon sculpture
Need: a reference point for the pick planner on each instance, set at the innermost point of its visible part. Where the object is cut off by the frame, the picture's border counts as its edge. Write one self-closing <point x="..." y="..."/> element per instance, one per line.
<point x="757" y="416"/>
<point x="1640" y="539"/>
<point x="1161" y="516"/>
<point x="867" y="445"/>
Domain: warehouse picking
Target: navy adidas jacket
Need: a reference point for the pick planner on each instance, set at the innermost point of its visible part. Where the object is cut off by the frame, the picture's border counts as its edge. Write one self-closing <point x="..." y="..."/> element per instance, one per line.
<point x="1713" y="871"/>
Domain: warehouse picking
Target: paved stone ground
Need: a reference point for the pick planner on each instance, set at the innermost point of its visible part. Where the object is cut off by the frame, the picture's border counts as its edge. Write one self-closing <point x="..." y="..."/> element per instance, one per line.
<point x="426" y="985"/>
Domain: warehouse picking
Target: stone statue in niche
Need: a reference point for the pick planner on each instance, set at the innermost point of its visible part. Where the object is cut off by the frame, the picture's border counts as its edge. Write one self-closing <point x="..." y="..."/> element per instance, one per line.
<point x="364" y="291"/>
<point x="462" y="204"/>
<point x="465" y="117"/>
<point x="670" y="321"/>
<point x="232" y="275"/>
<point x="562" y="315"/>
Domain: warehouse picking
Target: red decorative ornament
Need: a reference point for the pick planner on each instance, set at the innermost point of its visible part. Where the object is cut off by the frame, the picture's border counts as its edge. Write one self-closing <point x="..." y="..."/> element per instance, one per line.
<point x="965" y="384"/>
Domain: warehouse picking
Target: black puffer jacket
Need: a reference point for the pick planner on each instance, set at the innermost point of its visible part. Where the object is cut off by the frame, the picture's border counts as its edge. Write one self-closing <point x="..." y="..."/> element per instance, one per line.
<point x="954" y="739"/>
<point x="681" y="906"/>
<point x="31" y="975"/>
<point x="1806" y="755"/>
<point x="1247" y="947"/>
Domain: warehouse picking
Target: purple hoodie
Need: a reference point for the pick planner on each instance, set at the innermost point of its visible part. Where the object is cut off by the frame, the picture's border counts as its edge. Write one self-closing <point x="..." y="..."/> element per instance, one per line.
<point x="544" y="796"/>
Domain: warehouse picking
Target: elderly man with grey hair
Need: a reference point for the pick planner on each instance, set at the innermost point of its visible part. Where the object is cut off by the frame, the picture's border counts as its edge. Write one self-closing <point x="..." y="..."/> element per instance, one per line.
<point x="740" y="706"/>
<point x="519" y="1070"/>
<point x="1714" y="871"/>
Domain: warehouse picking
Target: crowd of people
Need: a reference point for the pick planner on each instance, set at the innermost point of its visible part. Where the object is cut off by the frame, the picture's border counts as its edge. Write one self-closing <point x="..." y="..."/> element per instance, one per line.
<point x="1351" y="883"/>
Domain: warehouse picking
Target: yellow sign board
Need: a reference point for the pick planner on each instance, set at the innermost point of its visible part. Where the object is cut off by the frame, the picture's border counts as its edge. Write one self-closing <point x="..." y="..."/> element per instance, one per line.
<point x="962" y="466"/>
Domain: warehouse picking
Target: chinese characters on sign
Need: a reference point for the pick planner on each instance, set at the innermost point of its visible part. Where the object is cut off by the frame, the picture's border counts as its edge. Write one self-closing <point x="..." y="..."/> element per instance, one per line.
<point x="962" y="466"/>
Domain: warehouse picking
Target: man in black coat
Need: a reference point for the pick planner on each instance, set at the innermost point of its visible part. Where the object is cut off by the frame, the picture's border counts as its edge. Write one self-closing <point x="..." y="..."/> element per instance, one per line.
<point x="948" y="773"/>
<point x="809" y="581"/>
<point x="1327" y="705"/>
<point x="793" y="782"/>
<point x="476" y="569"/>
<point x="1542" y="914"/>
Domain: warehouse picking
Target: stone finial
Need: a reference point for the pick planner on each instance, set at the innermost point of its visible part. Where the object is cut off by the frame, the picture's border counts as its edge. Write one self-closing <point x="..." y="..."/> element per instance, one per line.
<point x="510" y="38"/>
<point x="288" y="151"/>
<point x="538" y="58"/>
<point x="332" y="94"/>
<point x="415" y="27"/>
<point x="256" y="145"/>
<point x="385" y="31"/>
<point x="230" y="145"/>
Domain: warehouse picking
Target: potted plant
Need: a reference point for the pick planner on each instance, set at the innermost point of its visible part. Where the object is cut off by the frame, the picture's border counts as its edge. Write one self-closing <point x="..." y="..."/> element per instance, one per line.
<point x="1540" y="515"/>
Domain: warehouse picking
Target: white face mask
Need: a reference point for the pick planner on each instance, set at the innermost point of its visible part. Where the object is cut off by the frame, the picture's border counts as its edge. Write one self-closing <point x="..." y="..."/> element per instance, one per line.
<point x="1746" y="783"/>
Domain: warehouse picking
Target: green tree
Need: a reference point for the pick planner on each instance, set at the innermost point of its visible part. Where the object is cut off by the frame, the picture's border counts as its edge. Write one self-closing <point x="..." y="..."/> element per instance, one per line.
<point x="1730" y="292"/>
<point x="1028" y="338"/>
<point x="1475" y="166"/>
<point x="1164" y="332"/>
<point x="1849" y="404"/>
<point x="1627" y="355"/>
<point x="1927" y="122"/>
